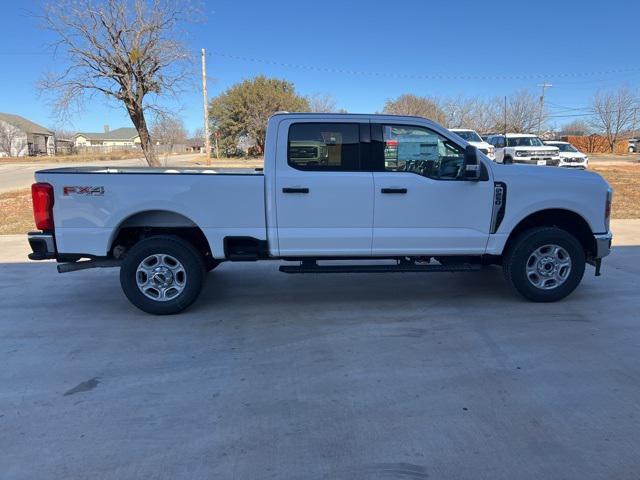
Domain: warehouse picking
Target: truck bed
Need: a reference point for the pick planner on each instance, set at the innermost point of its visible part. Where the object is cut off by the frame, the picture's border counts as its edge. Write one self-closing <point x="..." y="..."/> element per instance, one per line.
<point x="154" y="171"/>
<point x="221" y="202"/>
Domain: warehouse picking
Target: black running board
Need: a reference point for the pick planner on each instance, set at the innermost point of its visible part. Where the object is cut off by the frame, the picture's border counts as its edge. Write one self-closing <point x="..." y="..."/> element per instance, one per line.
<point x="399" y="268"/>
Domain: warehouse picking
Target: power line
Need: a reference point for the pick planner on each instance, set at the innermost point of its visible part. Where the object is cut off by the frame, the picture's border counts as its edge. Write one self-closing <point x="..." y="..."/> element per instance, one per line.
<point x="317" y="68"/>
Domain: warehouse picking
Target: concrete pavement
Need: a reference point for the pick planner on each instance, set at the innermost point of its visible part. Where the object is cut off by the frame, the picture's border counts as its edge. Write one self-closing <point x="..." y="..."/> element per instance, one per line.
<point x="397" y="376"/>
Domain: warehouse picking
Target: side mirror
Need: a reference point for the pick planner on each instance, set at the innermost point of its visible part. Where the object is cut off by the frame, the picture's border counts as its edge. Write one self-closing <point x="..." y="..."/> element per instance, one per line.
<point x="471" y="164"/>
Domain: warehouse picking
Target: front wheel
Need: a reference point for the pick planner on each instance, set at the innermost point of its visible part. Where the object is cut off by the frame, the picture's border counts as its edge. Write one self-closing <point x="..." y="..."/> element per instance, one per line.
<point x="544" y="264"/>
<point x="162" y="275"/>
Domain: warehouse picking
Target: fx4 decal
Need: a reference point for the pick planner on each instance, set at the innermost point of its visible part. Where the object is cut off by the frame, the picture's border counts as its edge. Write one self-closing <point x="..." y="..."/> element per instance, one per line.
<point x="75" y="190"/>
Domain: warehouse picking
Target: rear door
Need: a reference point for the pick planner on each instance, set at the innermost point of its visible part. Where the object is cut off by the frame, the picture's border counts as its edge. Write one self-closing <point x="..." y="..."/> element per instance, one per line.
<point x="324" y="200"/>
<point x="422" y="204"/>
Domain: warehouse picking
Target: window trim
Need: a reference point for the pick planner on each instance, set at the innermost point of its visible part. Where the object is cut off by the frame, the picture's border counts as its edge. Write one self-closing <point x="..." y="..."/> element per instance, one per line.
<point x="362" y="142"/>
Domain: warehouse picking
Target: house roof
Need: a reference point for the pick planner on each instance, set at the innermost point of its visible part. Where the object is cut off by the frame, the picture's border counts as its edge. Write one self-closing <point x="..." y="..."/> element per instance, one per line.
<point x="125" y="133"/>
<point x="23" y="124"/>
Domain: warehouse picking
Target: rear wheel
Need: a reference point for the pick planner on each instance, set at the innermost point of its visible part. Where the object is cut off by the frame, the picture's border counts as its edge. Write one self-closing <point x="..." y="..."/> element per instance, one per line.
<point x="162" y="275"/>
<point x="544" y="264"/>
<point x="507" y="160"/>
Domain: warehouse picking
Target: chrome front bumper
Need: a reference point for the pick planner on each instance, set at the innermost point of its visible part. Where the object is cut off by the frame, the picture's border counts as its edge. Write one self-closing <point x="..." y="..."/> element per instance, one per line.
<point x="603" y="244"/>
<point x="43" y="246"/>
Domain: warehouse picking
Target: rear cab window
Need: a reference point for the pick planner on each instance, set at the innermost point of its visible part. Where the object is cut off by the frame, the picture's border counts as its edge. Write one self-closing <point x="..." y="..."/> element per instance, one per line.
<point x="324" y="146"/>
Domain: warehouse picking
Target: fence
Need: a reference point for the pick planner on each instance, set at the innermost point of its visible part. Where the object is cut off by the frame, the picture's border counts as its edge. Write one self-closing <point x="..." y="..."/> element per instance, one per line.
<point x="595" y="144"/>
<point x="105" y="149"/>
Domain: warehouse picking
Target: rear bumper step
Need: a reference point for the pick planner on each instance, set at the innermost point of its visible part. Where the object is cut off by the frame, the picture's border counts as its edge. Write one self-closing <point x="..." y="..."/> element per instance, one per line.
<point x="399" y="268"/>
<point x="42" y="245"/>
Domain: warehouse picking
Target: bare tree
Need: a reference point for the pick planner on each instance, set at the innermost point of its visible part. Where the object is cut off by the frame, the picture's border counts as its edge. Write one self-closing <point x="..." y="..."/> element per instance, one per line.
<point x="576" y="127"/>
<point x="198" y="133"/>
<point x="473" y="113"/>
<point x="409" y="104"/>
<point x="127" y="50"/>
<point x="322" y="103"/>
<point x="522" y="113"/>
<point x="170" y="131"/>
<point x="613" y="113"/>
<point x="8" y="138"/>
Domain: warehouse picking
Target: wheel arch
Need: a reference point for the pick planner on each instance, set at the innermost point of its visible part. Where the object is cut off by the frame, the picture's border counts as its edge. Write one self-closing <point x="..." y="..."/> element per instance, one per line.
<point x="565" y="219"/>
<point x="157" y="222"/>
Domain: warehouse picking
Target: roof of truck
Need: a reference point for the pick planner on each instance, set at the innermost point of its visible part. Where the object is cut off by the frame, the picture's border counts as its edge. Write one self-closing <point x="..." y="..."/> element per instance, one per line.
<point x="343" y="115"/>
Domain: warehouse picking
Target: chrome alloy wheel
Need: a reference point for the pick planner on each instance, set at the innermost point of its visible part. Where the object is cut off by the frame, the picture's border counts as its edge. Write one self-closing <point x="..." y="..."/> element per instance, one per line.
<point x="548" y="267"/>
<point x="161" y="277"/>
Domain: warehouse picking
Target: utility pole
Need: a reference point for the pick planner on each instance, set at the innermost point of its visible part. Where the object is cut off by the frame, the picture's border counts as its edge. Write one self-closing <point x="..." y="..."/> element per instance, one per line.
<point x="544" y="86"/>
<point x="207" y="139"/>
<point x="505" y="117"/>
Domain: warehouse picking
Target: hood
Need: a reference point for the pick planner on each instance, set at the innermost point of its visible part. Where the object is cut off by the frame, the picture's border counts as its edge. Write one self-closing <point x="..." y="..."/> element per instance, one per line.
<point x="482" y="144"/>
<point x="572" y="155"/>
<point x="545" y="148"/>
<point x="551" y="175"/>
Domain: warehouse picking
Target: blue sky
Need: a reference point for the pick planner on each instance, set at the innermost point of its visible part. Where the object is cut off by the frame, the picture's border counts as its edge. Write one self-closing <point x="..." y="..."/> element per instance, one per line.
<point x="399" y="46"/>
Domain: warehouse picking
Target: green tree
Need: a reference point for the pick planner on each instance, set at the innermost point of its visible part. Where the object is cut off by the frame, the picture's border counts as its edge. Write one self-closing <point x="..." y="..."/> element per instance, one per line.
<point x="243" y="110"/>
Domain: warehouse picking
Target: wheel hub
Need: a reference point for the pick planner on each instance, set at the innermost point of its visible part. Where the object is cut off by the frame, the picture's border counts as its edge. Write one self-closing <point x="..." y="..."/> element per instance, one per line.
<point x="548" y="267"/>
<point x="161" y="277"/>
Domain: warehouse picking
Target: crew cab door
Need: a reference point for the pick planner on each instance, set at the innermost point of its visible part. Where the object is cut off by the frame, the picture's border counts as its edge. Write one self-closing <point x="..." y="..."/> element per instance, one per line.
<point x="422" y="203"/>
<point x="324" y="200"/>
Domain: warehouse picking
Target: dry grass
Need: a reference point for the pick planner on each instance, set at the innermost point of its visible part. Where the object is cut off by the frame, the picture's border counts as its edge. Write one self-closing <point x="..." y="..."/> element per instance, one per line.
<point x="79" y="158"/>
<point x="625" y="180"/>
<point x="17" y="215"/>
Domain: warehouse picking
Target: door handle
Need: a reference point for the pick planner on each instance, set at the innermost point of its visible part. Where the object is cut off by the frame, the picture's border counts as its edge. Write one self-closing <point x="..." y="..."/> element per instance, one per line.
<point x="394" y="190"/>
<point x="295" y="190"/>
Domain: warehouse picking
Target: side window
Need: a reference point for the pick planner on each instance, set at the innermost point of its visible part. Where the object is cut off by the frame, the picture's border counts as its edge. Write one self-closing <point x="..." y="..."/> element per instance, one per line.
<point x="324" y="146"/>
<point x="422" y="151"/>
<point x="499" y="142"/>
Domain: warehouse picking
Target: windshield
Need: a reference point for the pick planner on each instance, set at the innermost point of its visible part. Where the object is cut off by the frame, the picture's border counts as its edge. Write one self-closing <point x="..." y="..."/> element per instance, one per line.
<point x="468" y="135"/>
<point x="565" y="147"/>
<point x="524" y="142"/>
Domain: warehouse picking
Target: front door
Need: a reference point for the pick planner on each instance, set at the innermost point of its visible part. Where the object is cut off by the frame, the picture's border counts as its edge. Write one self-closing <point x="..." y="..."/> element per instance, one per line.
<point x="422" y="204"/>
<point x="324" y="200"/>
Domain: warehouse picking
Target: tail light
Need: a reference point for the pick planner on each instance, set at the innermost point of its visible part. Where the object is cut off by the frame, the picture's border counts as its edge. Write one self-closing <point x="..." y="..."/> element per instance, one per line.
<point x="607" y="208"/>
<point x="42" y="196"/>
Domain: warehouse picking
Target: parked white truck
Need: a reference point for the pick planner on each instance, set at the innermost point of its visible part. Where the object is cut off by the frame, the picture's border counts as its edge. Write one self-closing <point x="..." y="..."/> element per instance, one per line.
<point x="357" y="188"/>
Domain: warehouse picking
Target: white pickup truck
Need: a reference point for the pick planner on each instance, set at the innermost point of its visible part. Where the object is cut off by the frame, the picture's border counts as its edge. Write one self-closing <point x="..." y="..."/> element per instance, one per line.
<point x="381" y="193"/>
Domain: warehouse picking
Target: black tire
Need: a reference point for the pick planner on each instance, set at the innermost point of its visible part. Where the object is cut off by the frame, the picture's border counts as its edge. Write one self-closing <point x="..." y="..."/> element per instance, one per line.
<point x="519" y="254"/>
<point x="507" y="160"/>
<point x="189" y="259"/>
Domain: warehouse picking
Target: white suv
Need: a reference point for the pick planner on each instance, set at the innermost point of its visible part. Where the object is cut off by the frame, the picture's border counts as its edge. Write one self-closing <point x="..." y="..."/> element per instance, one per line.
<point x="570" y="156"/>
<point x="474" y="139"/>
<point x="524" y="148"/>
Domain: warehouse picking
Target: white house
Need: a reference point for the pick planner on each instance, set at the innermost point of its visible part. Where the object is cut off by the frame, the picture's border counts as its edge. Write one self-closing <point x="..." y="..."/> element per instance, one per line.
<point x="20" y="137"/>
<point x="120" y="137"/>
